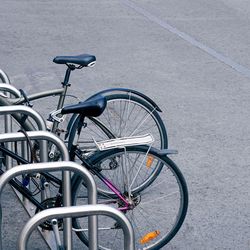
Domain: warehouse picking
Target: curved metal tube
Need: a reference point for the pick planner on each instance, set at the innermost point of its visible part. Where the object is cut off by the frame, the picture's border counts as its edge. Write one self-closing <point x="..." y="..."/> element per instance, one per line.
<point x="24" y="110"/>
<point x="38" y="135"/>
<point x="78" y="211"/>
<point x="27" y="125"/>
<point x="36" y="96"/>
<point x="44" y="135"/>
<point x="5" y="77"/>
<point x="37" y="118"/>
<point x="53" y="166"/>
<point x="49" y="167"/>
<point x="10" y="89"/>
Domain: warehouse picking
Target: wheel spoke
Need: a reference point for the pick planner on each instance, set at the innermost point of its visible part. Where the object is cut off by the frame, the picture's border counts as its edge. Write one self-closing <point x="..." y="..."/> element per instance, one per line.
<point x="143" y="120"/>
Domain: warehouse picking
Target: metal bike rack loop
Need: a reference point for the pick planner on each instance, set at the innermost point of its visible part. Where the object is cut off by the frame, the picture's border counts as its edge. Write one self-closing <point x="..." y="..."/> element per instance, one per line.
<point x="58" y="166"/>
<point x="44" y="135"/>
<point x="7" y="88"/>
<point x="79" y="211"/>
<point x="6" y="111"/>
<point x="17" y="109"/>
<point x="37" y="118"/>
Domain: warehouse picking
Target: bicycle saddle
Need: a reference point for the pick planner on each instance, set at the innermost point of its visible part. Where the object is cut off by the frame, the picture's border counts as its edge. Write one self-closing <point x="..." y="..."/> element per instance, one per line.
<point x="83" y="60"/>
<point x="92" y="107"/>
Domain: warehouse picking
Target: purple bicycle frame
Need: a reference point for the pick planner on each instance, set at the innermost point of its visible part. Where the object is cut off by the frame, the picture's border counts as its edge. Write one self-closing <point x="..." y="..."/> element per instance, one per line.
<point x="116" y="191"/>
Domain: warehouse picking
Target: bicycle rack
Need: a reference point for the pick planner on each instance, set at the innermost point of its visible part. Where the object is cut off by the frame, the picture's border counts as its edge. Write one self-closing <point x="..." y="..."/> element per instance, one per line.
<point x="78" y="211"/>
<point x="67" y="212"/>
<point x="7" y="110"/>
<point x="44" y="149"/>
<point x="37" y="118"/>
<point x="44" y="135"/>
<point x="17" y="109"/>
<point x="59" y="166"/>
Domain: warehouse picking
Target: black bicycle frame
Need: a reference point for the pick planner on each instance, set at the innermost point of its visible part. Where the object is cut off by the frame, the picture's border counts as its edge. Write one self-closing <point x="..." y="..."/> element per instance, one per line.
<point x="95" y="171"/>
<point x="20" y="187"/>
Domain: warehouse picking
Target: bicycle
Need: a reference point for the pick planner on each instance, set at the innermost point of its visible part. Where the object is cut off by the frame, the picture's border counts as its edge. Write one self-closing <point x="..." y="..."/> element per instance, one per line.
<point x="156" y="212"/>
<point x="152" y="232"/>
<point x="128" y="112"/>
<point x="127" y="197"/>
<point x="127" y="187"/>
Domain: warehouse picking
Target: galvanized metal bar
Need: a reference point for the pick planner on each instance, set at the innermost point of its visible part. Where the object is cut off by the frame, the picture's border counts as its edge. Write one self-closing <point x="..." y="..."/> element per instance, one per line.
<point x="27" y="111"/>
<point x="9" y="146"/>
<point x="35" y="96"/>
<point x="7" y="88"/>
<point x="7" y="118"/>
<point x="44" y="135"/>
<point x="44" y="155"/>
<point x="78" y="211"/>
<point x="41" y="126"/>
<point x="37" y="118"/>
<point x="57" y="166"/>
<point x="38" y="135"/>
<point x="27" y="125"/>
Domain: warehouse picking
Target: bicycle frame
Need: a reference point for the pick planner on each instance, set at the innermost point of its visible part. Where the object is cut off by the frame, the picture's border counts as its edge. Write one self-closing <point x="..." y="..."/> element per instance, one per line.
<point x="49" y="177"/>
<point x="22" y="188"/>
<point x="107" y="182"/>
<point x="62" y="94"/>
<point x="54" y="92"/>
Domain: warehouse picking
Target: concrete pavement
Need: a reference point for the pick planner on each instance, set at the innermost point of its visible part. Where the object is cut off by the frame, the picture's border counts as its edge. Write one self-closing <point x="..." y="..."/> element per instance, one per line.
<point x="205" y="101"/>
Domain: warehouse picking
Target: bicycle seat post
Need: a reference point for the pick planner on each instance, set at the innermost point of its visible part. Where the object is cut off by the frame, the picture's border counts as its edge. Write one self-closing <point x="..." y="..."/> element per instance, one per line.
<point x="70" y="68"/>
<point x="65" y="84"/>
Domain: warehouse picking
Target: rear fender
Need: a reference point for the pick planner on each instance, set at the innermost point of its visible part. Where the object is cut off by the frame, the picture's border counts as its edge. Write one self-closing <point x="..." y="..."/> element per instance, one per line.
<point x="129" y="92"/>
<point x="107" y="91"/>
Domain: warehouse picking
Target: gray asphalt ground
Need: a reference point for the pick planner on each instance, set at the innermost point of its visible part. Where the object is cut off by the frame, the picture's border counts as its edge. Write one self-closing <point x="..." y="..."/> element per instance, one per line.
<point x="191" y="57"/>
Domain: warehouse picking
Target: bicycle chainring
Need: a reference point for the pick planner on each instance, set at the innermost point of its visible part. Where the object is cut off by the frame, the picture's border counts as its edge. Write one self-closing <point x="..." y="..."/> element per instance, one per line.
<point x="50" y="203"/>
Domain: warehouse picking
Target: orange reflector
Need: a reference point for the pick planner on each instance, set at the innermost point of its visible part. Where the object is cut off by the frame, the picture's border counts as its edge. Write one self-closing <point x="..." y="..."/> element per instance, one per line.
<point x="149" y="236"/>
<point x="150" y="160"/>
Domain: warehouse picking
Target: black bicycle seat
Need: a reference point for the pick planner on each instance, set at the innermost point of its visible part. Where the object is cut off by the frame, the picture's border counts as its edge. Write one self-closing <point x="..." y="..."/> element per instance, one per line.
<point x="83" y="60"/>
<point x="92" y="107"/>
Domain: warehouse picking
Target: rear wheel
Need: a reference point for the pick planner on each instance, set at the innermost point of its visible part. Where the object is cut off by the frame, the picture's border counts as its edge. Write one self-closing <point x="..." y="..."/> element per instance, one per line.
<point x="124" y="116"/>
<point x="158" y="206"/>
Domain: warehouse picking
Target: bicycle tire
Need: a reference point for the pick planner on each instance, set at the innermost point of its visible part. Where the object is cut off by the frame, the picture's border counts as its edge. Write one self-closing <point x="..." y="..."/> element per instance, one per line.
<point x="167" y="192"/>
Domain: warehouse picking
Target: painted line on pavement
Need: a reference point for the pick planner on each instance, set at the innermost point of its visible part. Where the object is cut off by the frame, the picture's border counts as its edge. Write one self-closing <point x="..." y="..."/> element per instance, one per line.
<point x="227" y="60"/>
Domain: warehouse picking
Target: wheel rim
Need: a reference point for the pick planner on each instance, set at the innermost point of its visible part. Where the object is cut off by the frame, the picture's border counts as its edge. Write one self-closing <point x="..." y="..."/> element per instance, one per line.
<point x="162" y="208"/>
<point x="129" y="171"/>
